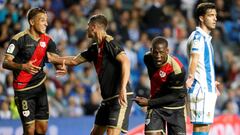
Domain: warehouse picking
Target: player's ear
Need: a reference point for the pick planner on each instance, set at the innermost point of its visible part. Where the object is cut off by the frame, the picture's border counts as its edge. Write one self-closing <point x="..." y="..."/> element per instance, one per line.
<point x="167" y="51"/>
<point x="201" y="18"/>
<point x="31" y="22"/>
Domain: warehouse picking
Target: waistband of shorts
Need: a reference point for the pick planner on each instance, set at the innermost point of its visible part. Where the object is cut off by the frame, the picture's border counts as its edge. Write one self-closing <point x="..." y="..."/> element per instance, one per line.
<point x="174" y="107"/>
<point x="113" y="97"/>
<point x="31" y="87"/>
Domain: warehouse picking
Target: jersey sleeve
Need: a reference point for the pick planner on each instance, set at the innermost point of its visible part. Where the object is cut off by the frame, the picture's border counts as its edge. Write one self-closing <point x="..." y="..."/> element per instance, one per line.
<point x="13" y="47"/>
<point x="197" y="44"/>
<point x="114" y="49"/>
<point x="90" y="53"/>
<point x="146" y="59"/>
<point x="52" y="47"/>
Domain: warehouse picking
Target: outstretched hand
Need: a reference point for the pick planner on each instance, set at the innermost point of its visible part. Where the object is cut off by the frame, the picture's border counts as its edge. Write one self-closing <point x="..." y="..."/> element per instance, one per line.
<point x="62" y="70"/>
<point x="30" y="67"/>
<point x="141" y="101"/>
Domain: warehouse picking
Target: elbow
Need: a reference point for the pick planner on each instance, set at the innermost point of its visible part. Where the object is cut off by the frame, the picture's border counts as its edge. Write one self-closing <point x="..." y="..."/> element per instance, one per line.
<point x="4" y="65"/>
<point x="73" y="63"/>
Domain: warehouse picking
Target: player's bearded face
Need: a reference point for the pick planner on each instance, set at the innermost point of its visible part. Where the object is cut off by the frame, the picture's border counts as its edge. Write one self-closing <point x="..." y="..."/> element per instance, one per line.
<point x="159" y="54"/>
<point x="90" y="29"/>
<point x="210" y="19"/>
<point x="40" y="23"/>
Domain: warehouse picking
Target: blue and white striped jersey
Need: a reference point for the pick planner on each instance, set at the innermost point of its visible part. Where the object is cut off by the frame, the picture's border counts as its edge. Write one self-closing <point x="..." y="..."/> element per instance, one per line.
<point x="200" y="42"/>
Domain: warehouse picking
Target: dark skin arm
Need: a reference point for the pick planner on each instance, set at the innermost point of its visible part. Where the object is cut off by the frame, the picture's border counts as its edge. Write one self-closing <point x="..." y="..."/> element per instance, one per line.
<point x="161" y="101"/>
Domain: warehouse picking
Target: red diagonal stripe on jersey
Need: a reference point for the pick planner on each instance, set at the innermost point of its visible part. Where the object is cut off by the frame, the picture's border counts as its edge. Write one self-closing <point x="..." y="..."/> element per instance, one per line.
<point x="98" y="65"/>
<point x="23" y="78"/>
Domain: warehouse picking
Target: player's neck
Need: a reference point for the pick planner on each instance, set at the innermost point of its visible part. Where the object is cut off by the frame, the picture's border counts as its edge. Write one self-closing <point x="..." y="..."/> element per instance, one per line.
<point x="205" y="29"/>
<point x="34" y="34"/>
<point x="101" y="35"/>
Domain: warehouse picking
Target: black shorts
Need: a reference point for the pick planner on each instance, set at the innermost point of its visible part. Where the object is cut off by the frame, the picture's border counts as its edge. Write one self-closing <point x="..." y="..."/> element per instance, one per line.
<point x="32" y="104"/>
<point x="111" y="114"/>
<point x="156" y="120"/>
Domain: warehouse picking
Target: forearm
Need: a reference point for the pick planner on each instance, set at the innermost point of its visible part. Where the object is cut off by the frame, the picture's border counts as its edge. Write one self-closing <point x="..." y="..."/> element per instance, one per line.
<point x="7" y="64"/>
<point x="193" y="64"/>
<point x="125" y="73"/>
<point x="69" y="60"/>
<point x="169" y="99"/>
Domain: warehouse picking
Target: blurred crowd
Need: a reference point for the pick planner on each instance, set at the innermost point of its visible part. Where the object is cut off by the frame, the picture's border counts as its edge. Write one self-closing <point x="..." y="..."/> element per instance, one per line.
<point x="133" y="23"/>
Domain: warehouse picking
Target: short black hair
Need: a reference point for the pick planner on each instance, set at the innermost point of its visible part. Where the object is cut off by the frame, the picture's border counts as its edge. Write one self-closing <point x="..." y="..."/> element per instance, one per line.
<point x="34" y="11"/>
<point x="202" y="9"/>
<point x="159" y="40"/>
<point x="100" y="19"/>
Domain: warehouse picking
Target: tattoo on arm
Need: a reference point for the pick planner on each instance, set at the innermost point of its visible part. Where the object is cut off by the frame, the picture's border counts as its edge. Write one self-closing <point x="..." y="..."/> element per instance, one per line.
<point x="9" y="64"/>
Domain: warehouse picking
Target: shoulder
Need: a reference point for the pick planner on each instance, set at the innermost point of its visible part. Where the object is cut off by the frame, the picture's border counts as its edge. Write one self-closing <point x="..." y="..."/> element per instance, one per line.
<point x="93" y="46"/>
<point x="147" y="58"/>
<point x="147" y="55"/>
<point x="109" y="38"/>
<point x="197" y="35"/>
<point x="176" y="64"/>
<point x="110" y="41"/>
<point x="19" y="35"/>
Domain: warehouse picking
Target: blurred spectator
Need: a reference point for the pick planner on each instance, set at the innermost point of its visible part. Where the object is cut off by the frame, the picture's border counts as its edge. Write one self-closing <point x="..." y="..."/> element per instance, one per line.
<point x="63" y="17"/>
<point x="102" y="7"/>
<point x="219" y="54"/>
<point x="13" y="108"/>
<point x="3" y="96"/>
<point x="235" y="11"/>
<point x="117" y="9"/>
<point x="133" y="31"/>
<point x="5" y="113"/>
<point x="181" y="47"/>
<point x="73" y="110"/>
<point x="77" y="18"/>
<point x="167" y="33"/>
<point x="123" y="24"/>
<point x="143" y="87"/>
<point x="87" y="77"/>
<point x="95" y="100"/>
<point x="4" y="35"/>
<point x="57" y="104"/>
<point x="9" y="10"/>
<point x="155" y="18"/>
<point x="134" y="75"/>
<point x="223" y="13"/>
<point x="58" y="33"/>
<point x="142" y="47"/>
<point x="47" y="6"/>
<point x="230" y="107"/>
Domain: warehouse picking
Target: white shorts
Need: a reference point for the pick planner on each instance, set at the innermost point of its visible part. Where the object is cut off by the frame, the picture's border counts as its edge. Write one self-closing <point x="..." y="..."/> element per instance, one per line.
<point x="201" y="105"/>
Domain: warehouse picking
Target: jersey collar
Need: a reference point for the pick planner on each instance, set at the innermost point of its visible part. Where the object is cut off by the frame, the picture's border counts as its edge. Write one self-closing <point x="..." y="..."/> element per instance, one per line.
<point x="203" y="33"/>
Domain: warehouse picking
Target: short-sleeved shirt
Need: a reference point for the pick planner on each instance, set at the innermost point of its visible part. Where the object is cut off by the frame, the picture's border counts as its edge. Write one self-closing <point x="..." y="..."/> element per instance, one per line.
<point x="200" y="42"/>
<point x="167" y="79"/>
<point x="22" y="47"/>
<point x="108" y="68"/>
